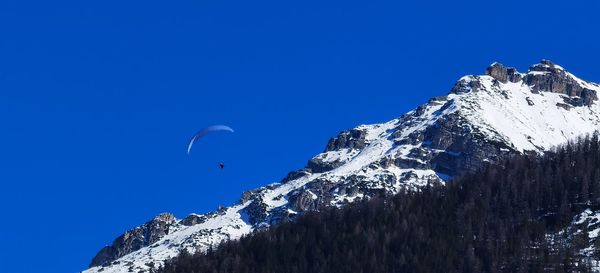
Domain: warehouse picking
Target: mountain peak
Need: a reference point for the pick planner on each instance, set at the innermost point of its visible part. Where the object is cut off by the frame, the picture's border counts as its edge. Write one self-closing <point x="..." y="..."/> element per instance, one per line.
<point x="503" y="74"/>
<point x="550" y="77"/>
<point x="485" y="118"/>
<point x="546" y="65"/>
<point x="547" y="76"/>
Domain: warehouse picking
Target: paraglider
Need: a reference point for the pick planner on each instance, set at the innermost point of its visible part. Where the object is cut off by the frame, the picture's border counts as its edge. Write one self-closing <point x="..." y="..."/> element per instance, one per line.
<point x="206" y="131"/>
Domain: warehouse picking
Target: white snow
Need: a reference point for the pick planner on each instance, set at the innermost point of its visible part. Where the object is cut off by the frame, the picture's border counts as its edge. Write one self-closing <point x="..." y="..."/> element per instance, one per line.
<point x="498" y="111"/>
<point x="512" y="120"/>
<point x="228" y="225"/>
<point x="589" y="220"/>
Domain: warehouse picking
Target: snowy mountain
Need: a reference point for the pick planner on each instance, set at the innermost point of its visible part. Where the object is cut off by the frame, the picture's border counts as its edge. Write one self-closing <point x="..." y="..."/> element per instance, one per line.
<point x="483" y="119"/>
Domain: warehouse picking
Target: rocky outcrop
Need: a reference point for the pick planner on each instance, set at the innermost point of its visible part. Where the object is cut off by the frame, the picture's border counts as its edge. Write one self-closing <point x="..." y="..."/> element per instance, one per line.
<point x="305" y="200"/>
<point x="193" y="219"/>
<point x="351" y="139"/>
<point x="319" y="165"/>
<point x="482" y="120"/>
<point x="456" y="139"/>
<point x="548" y="77"/>
<point x="135" y="239"/>
<point x="296" y="174"/>
<point x="503" y="74"/>
<point x="466" y="85"/>
<point x="587" y="97"/>
<point x="498" y="72"/>
<point x="256" y="210"/>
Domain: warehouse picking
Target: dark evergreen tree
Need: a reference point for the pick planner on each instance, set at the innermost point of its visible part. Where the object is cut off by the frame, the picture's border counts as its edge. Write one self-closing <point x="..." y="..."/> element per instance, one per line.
<point x="509" y="217"/>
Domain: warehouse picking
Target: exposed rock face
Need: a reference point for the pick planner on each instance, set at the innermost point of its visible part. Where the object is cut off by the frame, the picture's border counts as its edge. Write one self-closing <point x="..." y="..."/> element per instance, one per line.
<point x="296" y="174"/>
<point x="351" y="139"/>
<point x="483" y="119"/>
<point x="465" y="86"/>
<point x="498" y="72"/>
<point x="318" y="165"/>
<point x="548" y="77"/>
<point x="503" y="74"/>
<point x="305" y="201"/>
<point x="257" y="211"/>
<point x="135" y="239"/>
<point x="193" y="219"/>
<point x="451" y="135"/>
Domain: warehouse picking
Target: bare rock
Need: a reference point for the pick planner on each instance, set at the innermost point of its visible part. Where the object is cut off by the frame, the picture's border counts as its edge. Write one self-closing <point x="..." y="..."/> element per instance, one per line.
<point x="548" y="77"/>
<point x="135" y="239"/>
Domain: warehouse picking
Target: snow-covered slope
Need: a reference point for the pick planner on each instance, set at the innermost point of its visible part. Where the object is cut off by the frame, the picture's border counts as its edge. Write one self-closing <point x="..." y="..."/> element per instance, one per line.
<point x="482" y="119"/>
<point x="582" y="236"/>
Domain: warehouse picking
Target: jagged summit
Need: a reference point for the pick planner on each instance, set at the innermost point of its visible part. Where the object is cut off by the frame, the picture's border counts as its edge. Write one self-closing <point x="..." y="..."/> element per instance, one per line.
<point x="503" y="74"/>
<point x="483" y="118"/>
<point x="548" y="77"/>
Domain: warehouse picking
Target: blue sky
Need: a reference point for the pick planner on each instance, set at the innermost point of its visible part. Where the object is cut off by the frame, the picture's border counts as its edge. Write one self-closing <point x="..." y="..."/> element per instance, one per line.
<point x="99" y="98"/>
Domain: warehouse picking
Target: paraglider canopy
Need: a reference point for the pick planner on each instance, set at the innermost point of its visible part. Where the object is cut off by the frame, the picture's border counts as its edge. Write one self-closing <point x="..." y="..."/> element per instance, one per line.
<point x="206" y="131"/>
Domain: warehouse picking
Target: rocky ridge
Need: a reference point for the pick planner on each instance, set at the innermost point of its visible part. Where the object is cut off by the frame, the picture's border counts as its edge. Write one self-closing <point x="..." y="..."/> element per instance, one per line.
<point x="483" y="119"/>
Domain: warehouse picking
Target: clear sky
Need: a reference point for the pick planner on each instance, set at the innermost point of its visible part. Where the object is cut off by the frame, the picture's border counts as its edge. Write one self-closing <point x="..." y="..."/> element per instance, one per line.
<point x="99" y="98"/>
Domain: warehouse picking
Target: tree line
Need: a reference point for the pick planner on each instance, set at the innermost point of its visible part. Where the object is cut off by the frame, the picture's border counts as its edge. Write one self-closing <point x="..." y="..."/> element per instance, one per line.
<point x="511" y="216"/>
